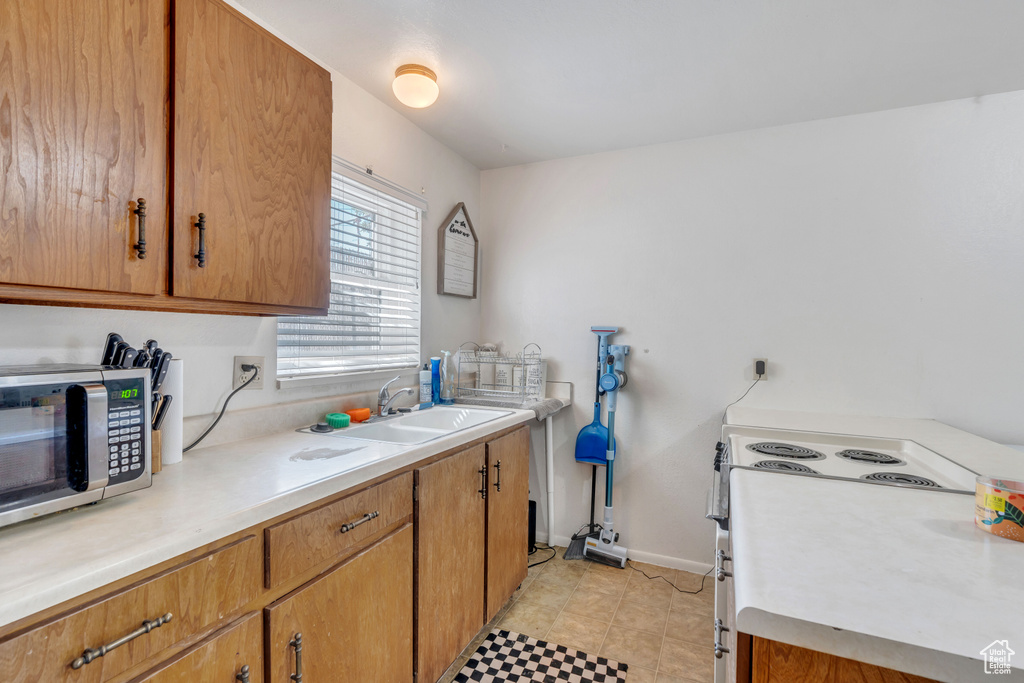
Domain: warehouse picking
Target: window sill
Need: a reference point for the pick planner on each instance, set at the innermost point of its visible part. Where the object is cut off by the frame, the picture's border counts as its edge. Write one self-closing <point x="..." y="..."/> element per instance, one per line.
<point x="346" y="379"/>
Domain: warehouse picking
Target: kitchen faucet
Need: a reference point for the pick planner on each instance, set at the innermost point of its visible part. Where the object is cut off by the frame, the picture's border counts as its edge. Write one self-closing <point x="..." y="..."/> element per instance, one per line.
<point x="385" y="399"/>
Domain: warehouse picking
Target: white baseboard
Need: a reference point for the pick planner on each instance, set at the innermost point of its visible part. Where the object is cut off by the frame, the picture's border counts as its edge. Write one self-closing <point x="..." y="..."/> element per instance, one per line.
<point x="650" y="558"/>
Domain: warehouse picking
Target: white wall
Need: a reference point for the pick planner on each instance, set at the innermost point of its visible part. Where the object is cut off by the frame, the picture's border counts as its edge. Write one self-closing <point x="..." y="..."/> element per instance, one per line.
<point x="365" y="132"/>
<point x="877" y="261"/>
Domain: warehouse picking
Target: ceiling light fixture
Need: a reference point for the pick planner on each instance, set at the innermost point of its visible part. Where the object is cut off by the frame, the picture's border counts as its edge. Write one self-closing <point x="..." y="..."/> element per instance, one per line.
<point x="415" y="86"/>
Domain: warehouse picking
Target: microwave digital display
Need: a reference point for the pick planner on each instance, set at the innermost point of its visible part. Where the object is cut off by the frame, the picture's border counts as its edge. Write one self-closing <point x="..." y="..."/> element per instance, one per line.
<point x="124" y="393"/>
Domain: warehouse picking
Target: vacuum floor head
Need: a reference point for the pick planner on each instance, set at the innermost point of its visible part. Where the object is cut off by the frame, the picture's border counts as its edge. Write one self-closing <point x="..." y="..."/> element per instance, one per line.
<point x="605" y="553"/>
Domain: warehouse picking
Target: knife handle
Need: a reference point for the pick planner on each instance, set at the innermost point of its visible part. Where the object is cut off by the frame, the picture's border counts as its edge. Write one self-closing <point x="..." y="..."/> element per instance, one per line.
<point x="165" y="365"/>
<point x="128" y="360"/>
<point x="110" y="347"/>
<point x="161" y="412"/>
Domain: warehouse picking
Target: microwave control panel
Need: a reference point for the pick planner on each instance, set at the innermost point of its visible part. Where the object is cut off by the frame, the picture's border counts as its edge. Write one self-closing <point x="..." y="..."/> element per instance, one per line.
<point x="127" y="429"/>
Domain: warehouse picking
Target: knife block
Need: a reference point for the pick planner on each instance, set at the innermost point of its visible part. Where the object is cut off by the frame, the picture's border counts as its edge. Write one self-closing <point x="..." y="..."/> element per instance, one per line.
<point x="156" y="451"/>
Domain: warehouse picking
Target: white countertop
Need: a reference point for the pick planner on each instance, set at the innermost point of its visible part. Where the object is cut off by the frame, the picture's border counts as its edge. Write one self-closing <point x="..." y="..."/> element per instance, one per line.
<point x="896" y="577"/>
<point x="212" y="493"/>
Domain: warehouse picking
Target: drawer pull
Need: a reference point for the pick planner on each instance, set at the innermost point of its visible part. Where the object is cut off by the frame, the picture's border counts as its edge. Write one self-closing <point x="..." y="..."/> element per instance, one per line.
<point x="722" y="558"/>
<point x="140" y="211"/>
<point x="243" y="675"/>
<point x="201" y="254"/>
<point x="90" y="655"/>
<point x="297" y="644"/>
<point x="349" y="526"/>
<point x="497" y="469"/>
<point x="483" y="482"/>
<point x="719" y="648"/>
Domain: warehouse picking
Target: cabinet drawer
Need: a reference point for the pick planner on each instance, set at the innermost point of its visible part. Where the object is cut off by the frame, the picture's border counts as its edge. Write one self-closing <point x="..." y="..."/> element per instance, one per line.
<point x="221" y="657"/>
<point x="305" y="541"/>
<point x="197" y="594"/>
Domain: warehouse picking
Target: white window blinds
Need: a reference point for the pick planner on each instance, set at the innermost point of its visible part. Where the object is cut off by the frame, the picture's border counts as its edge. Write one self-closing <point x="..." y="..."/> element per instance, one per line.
<point x="374" y="318"/>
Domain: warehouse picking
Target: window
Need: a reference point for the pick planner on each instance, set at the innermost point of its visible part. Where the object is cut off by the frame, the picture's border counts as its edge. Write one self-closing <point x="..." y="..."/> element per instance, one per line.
<point x="374" y="317"/>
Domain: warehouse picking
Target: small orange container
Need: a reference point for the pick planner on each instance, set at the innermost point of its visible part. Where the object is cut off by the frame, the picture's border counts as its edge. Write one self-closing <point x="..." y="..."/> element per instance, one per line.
<point x="359" y="414"/>
<point x="999" y="507"/>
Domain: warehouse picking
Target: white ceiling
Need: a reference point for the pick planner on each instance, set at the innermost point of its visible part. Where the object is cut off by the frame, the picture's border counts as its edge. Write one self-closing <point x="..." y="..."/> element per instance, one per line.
<point x="528" y="80"/>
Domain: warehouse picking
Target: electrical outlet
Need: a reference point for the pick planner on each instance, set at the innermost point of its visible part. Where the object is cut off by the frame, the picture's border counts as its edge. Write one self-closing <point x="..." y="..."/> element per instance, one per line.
<point x="763" y="362"/>
<point x="239" y="377"/>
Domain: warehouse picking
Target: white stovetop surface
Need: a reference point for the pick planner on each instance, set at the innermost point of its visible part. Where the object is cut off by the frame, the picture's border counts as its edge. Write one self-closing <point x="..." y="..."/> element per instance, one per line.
<point x="212" y="493"/>
<point x="892" y="576"/>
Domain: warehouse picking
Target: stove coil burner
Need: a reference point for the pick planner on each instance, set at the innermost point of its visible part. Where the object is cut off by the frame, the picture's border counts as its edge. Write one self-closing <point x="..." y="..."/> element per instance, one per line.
<point x="785" y="450"/>
<point x="900" y="479"/>
<point x="783" y="466"/>
<point x="869" y="457"/>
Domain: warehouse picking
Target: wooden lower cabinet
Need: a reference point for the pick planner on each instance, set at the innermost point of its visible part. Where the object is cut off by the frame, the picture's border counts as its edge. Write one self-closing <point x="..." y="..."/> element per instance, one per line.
<point x="355" y="621"/>
<point x="775" y="662"/>
<point x="471" y="544"/>
<point x="450" y="527"/>
<point x="198" y="595"/>
<point x="508" y="512"/>
<point x="226" y="656"/>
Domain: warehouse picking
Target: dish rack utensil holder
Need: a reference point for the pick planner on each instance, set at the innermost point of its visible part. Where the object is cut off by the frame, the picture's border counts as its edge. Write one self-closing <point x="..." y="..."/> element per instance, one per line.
<point x="490" y="374"/>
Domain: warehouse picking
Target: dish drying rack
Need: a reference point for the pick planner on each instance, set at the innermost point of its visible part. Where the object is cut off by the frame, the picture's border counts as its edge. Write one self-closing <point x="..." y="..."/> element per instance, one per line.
<point x="490" y="374"/>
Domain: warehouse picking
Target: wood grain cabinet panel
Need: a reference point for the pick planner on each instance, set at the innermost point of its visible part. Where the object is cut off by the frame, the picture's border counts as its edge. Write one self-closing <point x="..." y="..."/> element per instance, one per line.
<point x="199" y="595"/>
<point x="355" y="620"/>
<point x="303" y="542"/>
<point x="252" y="152"/>
<point x="83" y="134"/>
<point x="775" y="662"/>
<point x="218" y="659"/>
<point x="450" y="544"/>
<point x="508" y="496"/>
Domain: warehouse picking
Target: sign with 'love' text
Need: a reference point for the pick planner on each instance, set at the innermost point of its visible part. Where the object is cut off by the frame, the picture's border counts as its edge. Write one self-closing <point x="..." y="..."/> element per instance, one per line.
<point x="457" y="248"/>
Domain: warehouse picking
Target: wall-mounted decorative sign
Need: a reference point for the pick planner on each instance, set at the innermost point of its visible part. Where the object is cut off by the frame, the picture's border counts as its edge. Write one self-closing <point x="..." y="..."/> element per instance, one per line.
<point x="457" y="248"/>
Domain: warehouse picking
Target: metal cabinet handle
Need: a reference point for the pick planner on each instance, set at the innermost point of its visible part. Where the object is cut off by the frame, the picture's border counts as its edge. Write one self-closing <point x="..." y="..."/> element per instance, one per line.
<point x="349" y="526"/>
<point x="243" y="675"/>
<point x="201" y="254"/>
<point x="721" y="559"/>
<point x="140" y="211"/>
<point x="497" y="469"/>
<point x="90" y="654"/>
<point x="483" y="482"/>
<point x="297" y="644"/>
<point x="719" y="648"/>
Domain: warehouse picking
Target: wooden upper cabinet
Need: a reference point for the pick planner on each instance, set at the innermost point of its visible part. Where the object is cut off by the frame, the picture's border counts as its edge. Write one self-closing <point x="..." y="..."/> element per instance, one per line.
<point x="83" y="135"/>
<point x="252" y="152"/>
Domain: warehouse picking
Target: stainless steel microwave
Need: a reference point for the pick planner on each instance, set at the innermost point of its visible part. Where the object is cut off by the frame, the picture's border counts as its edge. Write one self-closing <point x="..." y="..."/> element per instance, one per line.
<point x="71" y="435"/>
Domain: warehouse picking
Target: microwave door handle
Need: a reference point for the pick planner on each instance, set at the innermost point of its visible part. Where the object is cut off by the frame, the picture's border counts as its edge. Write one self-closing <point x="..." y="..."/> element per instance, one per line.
<point x="96" y="429"/>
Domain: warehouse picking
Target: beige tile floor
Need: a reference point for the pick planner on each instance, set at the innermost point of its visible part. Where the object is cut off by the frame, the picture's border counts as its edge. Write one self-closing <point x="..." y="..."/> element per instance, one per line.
<point x="663" y="634"/>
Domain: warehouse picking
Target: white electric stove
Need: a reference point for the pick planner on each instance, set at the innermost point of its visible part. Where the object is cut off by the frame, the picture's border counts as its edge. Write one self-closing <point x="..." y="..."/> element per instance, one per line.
<point x="861" y="460"/>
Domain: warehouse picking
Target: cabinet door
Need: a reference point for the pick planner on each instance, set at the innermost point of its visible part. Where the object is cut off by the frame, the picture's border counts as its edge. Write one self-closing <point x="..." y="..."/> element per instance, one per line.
<point x="508" y="511"/>
<point x="355" y="620"/>
<point x="83" y="135"/>
<point x="221" y="658"/>
<point x="450" y="514"/>
<point x="252" y="152"/>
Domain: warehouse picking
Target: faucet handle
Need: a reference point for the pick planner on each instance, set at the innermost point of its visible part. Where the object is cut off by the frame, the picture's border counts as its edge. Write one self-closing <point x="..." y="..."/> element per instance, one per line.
<point x="383" y="394"/>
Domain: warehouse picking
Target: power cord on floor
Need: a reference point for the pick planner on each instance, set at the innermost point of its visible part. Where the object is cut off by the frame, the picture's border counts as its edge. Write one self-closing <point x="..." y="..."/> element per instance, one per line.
<point x="634" y="568"/>
<point x="537" y="547"/>
<point x="245" y="368"/>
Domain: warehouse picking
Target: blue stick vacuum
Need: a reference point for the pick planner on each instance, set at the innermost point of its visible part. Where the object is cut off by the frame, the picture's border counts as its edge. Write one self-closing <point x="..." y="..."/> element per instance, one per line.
<point x="604" y="548"/>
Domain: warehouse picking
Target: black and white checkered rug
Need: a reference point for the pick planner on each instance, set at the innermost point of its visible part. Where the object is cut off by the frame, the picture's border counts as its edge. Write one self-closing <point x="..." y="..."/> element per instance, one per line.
<point x="508" y="656"/>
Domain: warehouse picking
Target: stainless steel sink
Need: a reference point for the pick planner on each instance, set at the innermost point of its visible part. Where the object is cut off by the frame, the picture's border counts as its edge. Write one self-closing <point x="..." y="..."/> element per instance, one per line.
<point x="421" y="426"/>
